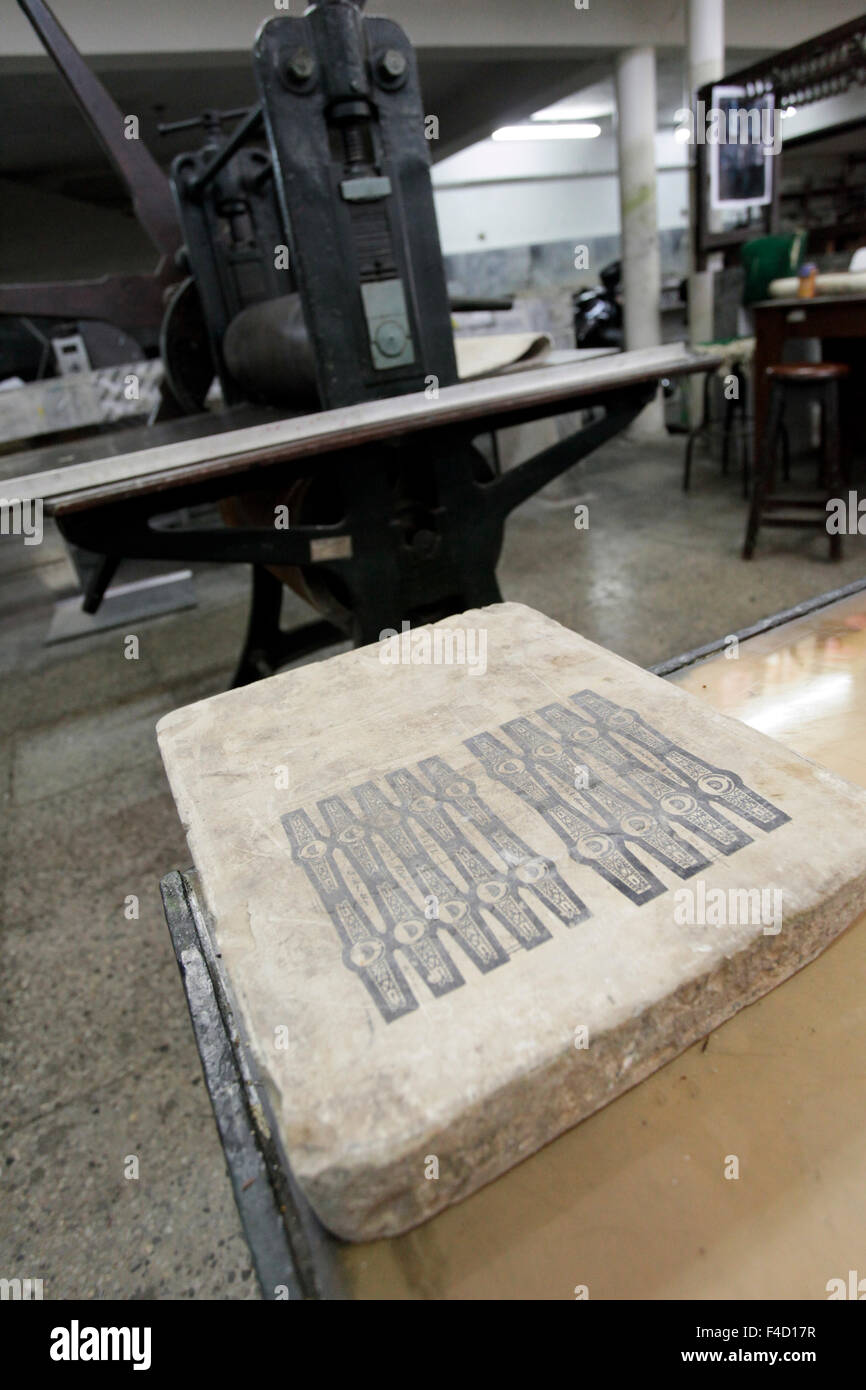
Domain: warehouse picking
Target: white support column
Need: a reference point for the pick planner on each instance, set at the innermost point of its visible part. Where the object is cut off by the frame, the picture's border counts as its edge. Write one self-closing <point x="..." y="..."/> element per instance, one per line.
<point x="641" y="262"/>
<point x="705" y="63"/>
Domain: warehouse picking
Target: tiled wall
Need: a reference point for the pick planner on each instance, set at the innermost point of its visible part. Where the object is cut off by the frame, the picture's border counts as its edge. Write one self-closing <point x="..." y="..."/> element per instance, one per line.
<point x="549" y="266"/>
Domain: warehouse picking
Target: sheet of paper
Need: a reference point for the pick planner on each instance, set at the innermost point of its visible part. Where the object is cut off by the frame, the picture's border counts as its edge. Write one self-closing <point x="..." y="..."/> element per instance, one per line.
<point x="482" y="353"/>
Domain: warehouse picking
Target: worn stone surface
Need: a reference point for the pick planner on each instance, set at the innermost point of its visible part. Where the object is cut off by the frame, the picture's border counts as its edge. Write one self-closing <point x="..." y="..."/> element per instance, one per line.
<point x="464" y="905"/>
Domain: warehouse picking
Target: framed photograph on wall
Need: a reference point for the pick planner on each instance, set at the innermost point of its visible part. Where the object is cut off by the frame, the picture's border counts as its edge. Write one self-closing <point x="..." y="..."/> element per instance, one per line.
<point x="741" y="147"/>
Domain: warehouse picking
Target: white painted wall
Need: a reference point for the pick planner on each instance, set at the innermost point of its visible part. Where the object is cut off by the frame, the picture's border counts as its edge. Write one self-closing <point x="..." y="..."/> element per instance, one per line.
<point x="505" y="194"/>
<point x="502" y="194"/>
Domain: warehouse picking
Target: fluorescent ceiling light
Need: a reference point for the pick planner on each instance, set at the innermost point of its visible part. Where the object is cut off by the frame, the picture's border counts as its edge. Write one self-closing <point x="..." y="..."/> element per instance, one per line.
<point x="573" y="130"/>
<point x="571" y="113"/>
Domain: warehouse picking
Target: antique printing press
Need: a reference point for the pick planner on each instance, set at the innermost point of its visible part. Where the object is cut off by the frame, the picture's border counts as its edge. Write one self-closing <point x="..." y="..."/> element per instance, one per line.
<point x="308" y="277"/>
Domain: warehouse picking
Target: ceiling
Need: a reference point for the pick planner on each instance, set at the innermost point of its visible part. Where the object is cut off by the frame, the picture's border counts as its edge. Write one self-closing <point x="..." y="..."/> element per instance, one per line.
<point x="45" y="140"/>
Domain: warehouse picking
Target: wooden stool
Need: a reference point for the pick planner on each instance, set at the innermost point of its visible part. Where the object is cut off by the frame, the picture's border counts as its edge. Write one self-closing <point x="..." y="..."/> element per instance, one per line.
<point x="822" y="378"/>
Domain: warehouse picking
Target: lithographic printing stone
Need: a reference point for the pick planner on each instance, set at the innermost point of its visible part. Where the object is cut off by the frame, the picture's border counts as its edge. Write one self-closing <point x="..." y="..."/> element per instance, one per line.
<point x="472" y="882"/>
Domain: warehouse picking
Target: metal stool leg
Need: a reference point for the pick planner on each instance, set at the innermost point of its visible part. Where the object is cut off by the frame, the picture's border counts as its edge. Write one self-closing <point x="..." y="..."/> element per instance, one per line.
<point x="730" y="412"/>
<point x="693" y="435"/>
<point x="735" y="418"/>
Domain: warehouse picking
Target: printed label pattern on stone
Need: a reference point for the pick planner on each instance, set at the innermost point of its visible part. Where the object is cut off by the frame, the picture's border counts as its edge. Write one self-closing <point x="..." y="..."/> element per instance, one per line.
<point x="614" y="789"/>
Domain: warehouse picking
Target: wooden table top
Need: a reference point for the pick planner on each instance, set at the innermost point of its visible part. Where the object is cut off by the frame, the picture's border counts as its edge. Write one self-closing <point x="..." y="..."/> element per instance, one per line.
<point x="634" y="1203"/>
<point x="816" y="301"/>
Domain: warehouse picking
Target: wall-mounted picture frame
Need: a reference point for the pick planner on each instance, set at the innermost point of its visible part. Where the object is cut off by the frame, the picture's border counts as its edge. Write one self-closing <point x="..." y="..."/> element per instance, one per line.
<point x="741" y="149"/>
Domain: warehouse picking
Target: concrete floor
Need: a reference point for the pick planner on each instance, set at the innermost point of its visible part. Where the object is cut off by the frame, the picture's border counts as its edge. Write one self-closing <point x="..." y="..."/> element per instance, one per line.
<point x="97" y="1056"/>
